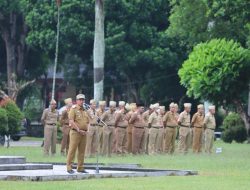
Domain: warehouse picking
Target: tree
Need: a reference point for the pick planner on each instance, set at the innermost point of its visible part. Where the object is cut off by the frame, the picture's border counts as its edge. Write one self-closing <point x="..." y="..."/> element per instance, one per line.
<point x="218" y="71"/>
<point x="201" y="20"/>
<point x="99" y="50"/>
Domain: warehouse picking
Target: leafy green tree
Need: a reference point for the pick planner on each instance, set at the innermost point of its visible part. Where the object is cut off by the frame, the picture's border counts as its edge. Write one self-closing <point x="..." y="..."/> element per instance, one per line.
<point x="218" y="71"/>
<point x="3" y="122"/>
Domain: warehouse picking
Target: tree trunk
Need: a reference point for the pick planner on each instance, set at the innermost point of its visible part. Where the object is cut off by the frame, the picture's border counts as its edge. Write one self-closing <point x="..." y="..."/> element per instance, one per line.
<point x="99" y="50"/>
<point x="244" y="116"/>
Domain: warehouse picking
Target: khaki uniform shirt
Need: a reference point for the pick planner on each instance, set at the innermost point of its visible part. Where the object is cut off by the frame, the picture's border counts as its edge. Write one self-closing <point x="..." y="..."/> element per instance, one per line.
<point x="64" y="120"/>
<point x="145" y="116"/>
<point x="137" y="120"/>
<point x="93" y="116"/>
<point x="121" y="119"/>
<point x="209" y="121"/>
<point x="155" y="119"/>
<point x="197" y="120"/>
<point x="108" y="118"/>
<point x="170" y="119"/>
<point x="184" y="119"/>
<point x="50" y="117"/>
<point x="79" y="116"/>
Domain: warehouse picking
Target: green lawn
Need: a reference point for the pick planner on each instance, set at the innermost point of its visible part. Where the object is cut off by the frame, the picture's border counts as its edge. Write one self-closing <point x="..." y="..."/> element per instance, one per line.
<point x="228" y="170"/>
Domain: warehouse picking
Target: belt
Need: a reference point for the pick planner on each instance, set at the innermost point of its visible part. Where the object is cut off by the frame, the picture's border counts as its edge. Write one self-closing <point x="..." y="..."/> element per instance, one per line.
<point x="93" y="125"/>
<point x="122" y="127"/>
<point x="211" y="129"/>
<point x="110" y="125"/>
<point x="197" y="127"/>
<point x="51" y="124"/>
<point x="76" y="130"/>
<point x="156" y="127"/>
<point x="100" y="125"/>
<point x="184" y="126"/>
<point x="139" y="127"/>
<point x="172" y="127"/>
<point x="66" y="123"/>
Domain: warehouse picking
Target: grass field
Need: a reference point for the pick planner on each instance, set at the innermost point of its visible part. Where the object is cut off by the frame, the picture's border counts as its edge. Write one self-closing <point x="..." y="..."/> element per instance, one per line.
<point x="228" y="170"/>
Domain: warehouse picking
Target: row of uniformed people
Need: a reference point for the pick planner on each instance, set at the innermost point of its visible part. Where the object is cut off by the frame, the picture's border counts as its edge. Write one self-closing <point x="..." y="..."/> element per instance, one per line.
<point x="154" y="130"/>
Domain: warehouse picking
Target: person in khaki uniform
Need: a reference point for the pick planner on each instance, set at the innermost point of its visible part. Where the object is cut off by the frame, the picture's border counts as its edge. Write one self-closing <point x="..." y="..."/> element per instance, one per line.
<point x="170" y="121"/>
<point x="138" y="129"/>
<point x="49" y="119"/>
<point x="78" y="121"/>
<point x="121" y="124"/>
<point x="197" y="124"/>
<point x="145" y="116"/>
<point x="100" y="111"/>
<point x="109" y="131"/>
<point x="131" y="108"/>
<point x="155" y="122"/>
<point x="91" y="146"/>
<point x="209" y="124"/>
<point x="64" y="121"/>
<point x="184" y="131"/>
<point x="161" y="136"/>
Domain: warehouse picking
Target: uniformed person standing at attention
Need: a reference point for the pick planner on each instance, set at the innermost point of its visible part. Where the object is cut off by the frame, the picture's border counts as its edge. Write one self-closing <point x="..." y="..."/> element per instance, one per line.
<point x="49" y="120"/>
<point x="131" y="108"/>
<point x="100" y="112"/>
<point x="209" y="124"/>
<point x="91" y="146"/>
<point x="121" y="124"/>
<point x="184" y="131"/>
<point x="145" y="116"/>
<point x="155" y="122"/>
<point x="64" y="121"/>
<point x="161" y="134"/>
<point x="109" y="131"/>
<point x="138" y="130"/>
<point x="198" y="123"/>
<point x="170" y="121"/>
<point x="78" y="121"/>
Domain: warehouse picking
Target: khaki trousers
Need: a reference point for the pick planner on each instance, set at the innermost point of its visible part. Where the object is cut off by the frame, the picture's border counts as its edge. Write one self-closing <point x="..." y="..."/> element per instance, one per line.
<point x="91" y="146"/>
<point x="121" y="136"/>
<point x="209" y="140"/>
<point x="65" y="139"/>
<point x="137" y="140"/>
<point x="77" y="142"/>
<point x="129" y="138"/>
<point x="50" y="138"/>
<point x="100" y="138"/>
<point x="197" y="139"/>
<point x="160" y="140"/>
<point x="146" y="140"/>
<point x="184" y="135"/>
<point x="170" y="140"/>
<point x="108" y="140"/>
<point x="153" y="138"/>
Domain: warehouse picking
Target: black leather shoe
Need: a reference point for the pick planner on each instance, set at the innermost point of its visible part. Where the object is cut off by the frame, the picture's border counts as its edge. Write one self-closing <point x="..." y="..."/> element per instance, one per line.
<point x="83" y="171"/>
<point x="71" y="171"/>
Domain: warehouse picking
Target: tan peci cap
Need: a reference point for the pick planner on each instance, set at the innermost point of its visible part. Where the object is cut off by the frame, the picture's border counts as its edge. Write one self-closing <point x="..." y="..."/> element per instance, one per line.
<point x="68" y="101"/>
<point x="187" y="105"/>
<point x="112" y="103"/>
<point x="80" y="96"/>
<point x="200" y="106"/>
<point x="92" y="101"/>
<point x="52" y="102"/>
<point x="151" y="106"/>
<point x="102" y="103"/>
<point x="212" y="107"/>
<point x="156" y="105"/>
<point x="162" y="108"/>
<point x="172" y="105"/>
<point x="122" y="103"/>
<point x="127" y="107"/>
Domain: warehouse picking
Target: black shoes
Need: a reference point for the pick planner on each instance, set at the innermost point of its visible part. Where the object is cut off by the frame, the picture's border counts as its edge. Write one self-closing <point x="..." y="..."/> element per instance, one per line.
<point x="83" y="171"/>
<point x="71" y="171"/>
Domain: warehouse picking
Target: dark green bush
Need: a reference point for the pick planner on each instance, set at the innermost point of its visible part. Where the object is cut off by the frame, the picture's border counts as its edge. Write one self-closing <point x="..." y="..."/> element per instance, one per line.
<point x="234" y="129"/>
<point x="15" y="117"/>
<point x="3" y="122"/>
